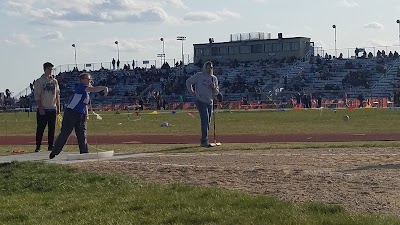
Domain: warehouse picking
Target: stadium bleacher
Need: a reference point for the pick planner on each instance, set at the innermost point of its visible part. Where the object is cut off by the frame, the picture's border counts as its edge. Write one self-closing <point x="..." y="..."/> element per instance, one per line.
<point x="273" y="80"/>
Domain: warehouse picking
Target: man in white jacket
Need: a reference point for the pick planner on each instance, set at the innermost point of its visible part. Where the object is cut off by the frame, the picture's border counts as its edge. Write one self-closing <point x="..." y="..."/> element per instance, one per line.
<point x="205" y="88"/>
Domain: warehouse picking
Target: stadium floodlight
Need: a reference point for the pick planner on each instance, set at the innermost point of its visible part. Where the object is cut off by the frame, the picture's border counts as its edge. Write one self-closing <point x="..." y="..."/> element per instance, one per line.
<point x="163" y="49"/>
<point x="334" y="27"/>
<point x="182" y="39"/>
<point x="116" y="42"/>
<point x="161" y="56"/>
<point x="74" y="46"/>
<point x="398" y="21"/>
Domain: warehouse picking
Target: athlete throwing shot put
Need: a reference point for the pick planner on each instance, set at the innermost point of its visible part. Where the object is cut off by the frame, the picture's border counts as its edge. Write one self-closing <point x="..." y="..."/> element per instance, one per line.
<point x="203" y="86"/>
<point x="76" y="115"/>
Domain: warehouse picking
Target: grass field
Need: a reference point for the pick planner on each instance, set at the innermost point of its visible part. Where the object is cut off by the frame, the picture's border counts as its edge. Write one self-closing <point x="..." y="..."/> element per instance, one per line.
<point x="234" y="122"/>
<point x="41" y="193"/>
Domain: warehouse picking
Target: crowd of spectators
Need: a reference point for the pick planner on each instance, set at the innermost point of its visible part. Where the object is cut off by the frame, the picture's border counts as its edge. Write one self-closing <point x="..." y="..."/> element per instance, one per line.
<point x="251" y="80"/>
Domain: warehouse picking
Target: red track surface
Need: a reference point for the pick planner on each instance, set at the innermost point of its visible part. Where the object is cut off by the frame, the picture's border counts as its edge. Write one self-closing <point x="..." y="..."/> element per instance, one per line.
<point x="194" y="139"/>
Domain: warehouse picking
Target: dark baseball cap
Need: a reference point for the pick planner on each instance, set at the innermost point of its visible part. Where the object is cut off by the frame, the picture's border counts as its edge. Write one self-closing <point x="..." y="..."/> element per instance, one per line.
<point x="47" y="64"/>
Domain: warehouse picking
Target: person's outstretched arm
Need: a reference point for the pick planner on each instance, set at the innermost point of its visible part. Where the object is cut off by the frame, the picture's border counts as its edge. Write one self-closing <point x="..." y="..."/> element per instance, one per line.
<point x="97" y="89"/>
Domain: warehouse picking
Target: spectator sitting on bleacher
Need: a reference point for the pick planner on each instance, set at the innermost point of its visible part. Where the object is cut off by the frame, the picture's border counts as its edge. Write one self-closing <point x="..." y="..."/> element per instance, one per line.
<point x="364" y="56"/>
<point x="304" y="100"/>
<point x="319" y="101"/>
<point x="361" y="99"/>
<point x="8" y="93"/>
<point x="165" y="66"/>
<point x="379" y="54"/>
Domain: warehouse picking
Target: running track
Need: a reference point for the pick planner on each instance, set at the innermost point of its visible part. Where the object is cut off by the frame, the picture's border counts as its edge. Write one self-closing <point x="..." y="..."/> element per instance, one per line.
<point x="194" y="139"/>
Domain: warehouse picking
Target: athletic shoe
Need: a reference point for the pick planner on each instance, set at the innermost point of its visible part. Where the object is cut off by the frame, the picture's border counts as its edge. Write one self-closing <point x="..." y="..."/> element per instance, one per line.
<point x="37" y="150"/>
<point x="52" y="155"/>
<point x="206" y="145"/>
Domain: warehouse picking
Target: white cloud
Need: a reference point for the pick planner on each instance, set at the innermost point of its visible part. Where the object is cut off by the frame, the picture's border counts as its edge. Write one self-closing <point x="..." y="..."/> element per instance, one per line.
<point x="125" y="45"/>
<point x="308" y="28"/>
<point x="344" y="3"/>
<point x="271" y="27"/>
<point x="51" y="23"/>
<point x="155" y="14"/>
<point x="149" y="15"/>
<point x="176" y="3"/>
<point x="53" y="36"/>
<point x="228" y="14"/>
<point x="67" y="13"/>
<point x="19" y="39"/>
<point x="202" y="16"/>
<point x="349" y="3"/>
<point x="380" y="43"/>
<point x="374" y="25"/>
<point x="25" y="1"/>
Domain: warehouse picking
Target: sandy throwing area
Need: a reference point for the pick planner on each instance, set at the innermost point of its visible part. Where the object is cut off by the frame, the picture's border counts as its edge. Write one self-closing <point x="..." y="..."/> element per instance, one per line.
<point x="360" y="179"/>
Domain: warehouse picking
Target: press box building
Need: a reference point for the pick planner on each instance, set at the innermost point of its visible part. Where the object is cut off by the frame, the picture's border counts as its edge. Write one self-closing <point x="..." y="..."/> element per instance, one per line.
<point x="253" y="47"/>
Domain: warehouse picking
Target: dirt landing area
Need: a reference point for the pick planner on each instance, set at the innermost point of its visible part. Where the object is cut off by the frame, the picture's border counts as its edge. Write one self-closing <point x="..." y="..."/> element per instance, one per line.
<point x="362" y="180"/>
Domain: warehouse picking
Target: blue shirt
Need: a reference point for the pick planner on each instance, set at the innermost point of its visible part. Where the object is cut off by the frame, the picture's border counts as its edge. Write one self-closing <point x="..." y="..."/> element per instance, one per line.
<point x="80" y="99"/>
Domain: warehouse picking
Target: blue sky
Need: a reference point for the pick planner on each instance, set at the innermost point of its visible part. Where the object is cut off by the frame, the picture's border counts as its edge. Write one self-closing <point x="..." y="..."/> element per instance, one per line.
<point x="36" y="31"/>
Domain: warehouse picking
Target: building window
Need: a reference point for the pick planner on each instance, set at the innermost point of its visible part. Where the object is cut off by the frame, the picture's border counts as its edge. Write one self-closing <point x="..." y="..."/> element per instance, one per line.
<point x="236" y="50"/>
<point x="223" y="50"/>
<point x="214" y="51"/>
<point x="267" y="48"/>
<point x="295" y="46"/>
<point x="245" y="49"/>
<point x="199" y="52"/>
<point x="206" y="51"/>
<point x="287" y="46"/>
<point x="277" y="47"/>
<point x="256" y="48"/>
<point x="231" y="50"/>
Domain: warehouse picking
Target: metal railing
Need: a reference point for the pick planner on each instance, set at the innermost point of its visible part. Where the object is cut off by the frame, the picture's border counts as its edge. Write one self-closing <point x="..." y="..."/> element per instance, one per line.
<point x="93" y="66"/>
<point x="351" y="51"/>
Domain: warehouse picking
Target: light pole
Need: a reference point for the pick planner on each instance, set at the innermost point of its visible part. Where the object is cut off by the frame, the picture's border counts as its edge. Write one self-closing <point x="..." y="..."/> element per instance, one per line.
<point x="182" y="39"/>
<point x="76" y="65"/>
<point x="116" y="42"/>
<point x="398" y="21"/>
<point x="161" y="56"/>
<point x="334" y="27"/>
<point x="163" y="49"/>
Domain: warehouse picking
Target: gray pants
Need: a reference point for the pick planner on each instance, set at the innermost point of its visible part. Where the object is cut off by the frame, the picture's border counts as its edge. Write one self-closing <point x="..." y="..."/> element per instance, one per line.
<point x="205" y="111"/>
<point x="71" y="120"/>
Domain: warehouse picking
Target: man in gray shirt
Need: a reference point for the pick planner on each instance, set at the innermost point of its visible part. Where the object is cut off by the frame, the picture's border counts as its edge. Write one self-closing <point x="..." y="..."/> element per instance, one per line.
<point x="205" y="87"/>
<point x="47" y="96"/>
